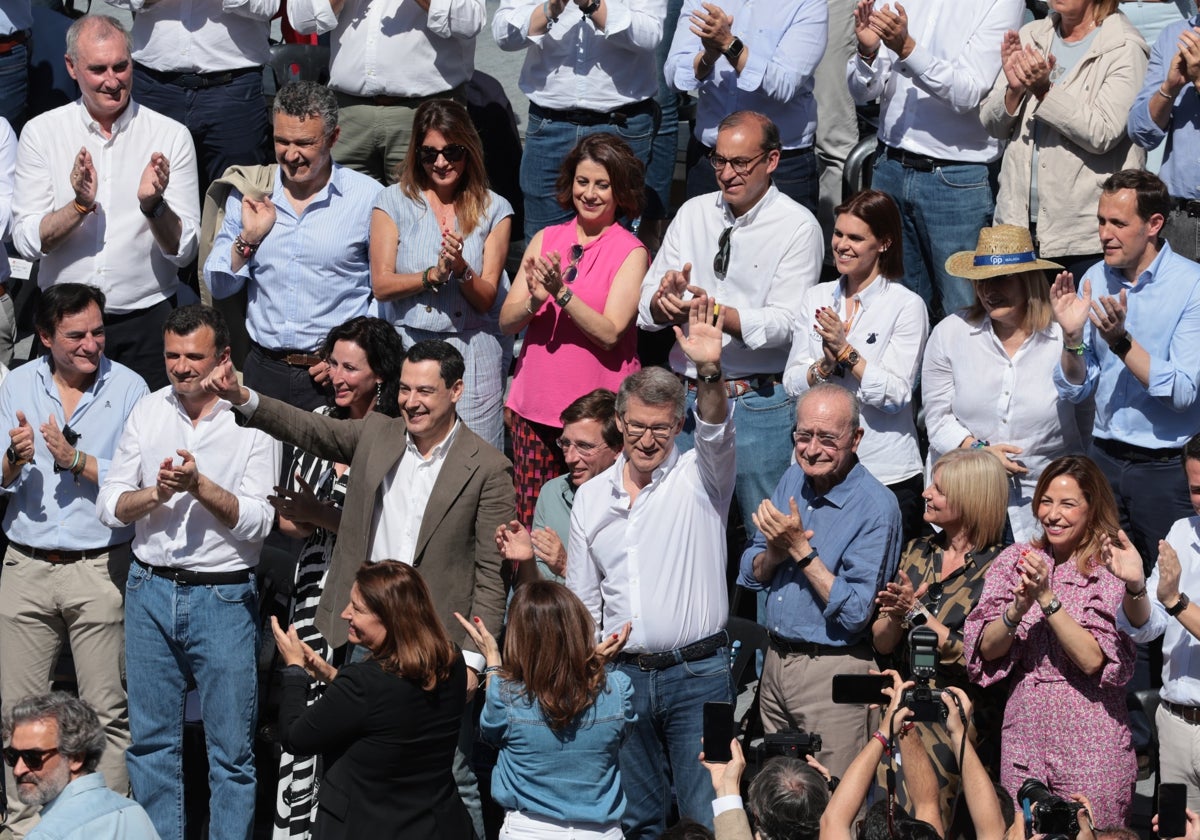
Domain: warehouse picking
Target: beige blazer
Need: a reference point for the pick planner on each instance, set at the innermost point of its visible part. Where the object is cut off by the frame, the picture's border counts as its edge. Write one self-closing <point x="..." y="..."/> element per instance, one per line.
<point x="456" y="548"/>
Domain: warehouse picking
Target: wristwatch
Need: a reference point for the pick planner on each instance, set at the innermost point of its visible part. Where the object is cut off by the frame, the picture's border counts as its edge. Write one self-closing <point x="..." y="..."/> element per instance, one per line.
<point x="711" y="378"/>
<point x="13" y="457"/>
<point x="734" y="51"/>
<point x="1180" y="605"/>
<point x="591" y="8"/>
<point x="1122" y="345"/>
<point x="565" y="298"/>
<point x="803" y="562"/>
<point x="157" y="210"/>
<point x="1050" y="609"/>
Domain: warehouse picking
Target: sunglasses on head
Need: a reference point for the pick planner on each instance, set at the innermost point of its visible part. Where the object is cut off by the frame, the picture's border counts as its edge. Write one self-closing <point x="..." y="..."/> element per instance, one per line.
<point x="452" y="153"/>
<point x="34" y="759"/>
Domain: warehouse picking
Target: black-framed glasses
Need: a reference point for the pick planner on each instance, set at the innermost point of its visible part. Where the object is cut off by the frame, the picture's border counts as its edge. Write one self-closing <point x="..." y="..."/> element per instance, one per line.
<point x="34" y="759"/>
<point x="452" y="153"/>
<point x="70" y="435"/>
<point x="574" y="255"/>
<point x="582" y="448"/>
<point x="721" y="260"/>
<point x="742" y="166"/>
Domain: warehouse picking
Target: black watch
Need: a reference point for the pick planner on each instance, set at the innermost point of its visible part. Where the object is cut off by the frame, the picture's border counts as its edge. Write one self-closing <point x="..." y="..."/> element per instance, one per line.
<point x="157" y="210"/>
<point x="1180" y="605"/>
<point x="806" y="559"/>
<point x="13" y="457"/>
<point x="591" y="8"/>
<point x="1122" y="345"/>
<point x="734" y="51"/>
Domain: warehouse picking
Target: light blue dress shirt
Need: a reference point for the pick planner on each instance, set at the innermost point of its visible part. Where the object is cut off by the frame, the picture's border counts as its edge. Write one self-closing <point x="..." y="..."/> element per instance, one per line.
<point x="1181" y="161"/>
<point x="87" y="810"/>
<point x="49" y="510"/>
<point x="1164" y="318"/>
<point x="312" y="271"/>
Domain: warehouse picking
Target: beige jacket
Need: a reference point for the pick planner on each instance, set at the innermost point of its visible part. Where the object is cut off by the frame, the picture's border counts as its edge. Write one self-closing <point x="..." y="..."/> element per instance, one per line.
<point x="1083" y="138"/>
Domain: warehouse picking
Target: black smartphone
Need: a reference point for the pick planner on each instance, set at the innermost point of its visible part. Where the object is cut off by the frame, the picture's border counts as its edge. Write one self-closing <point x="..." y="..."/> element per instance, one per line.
<point x="861" y="688"/>
<point x="718" y="731"/>
<point x="1172" y="802"/>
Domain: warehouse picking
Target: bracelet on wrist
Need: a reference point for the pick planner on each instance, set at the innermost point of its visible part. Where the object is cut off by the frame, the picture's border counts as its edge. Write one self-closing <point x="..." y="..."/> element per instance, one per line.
<point x="868" y="56"/>
<point x="1136" y="596"/>
<point x="529" y="307"/>
<point x="550" y="19"/>
<point x="1009" y="624"/>
<point x="83" y="209"/>
<point x="1164" y="94"/>
<point x="883" y="740"/>
<point x="491" y="669"/>
<point x="427" y="284"/>
<point x="244" y="247"/>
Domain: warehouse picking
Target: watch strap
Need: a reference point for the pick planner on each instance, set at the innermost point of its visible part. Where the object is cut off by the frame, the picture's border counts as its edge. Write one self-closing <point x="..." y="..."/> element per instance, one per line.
<point x="1050" y="609"/>
<point x="806" y="559"/>
<point x="1179" y="605"/>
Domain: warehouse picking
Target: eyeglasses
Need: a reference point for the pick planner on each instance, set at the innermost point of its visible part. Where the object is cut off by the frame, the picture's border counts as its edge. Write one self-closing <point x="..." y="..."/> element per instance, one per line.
<point x="721" y="260"/>
<point x="576" y="254"/>
<point x="582" y="448"/>
<point x="34" y="759"/>
<point x="661" y="431"/>
<point x="452" y="153"/>
<point x="824" y="439"/>
<point x="742" y="166"/>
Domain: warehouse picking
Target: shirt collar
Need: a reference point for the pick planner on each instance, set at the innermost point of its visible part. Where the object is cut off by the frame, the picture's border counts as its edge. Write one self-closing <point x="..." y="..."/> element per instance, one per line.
<point x="173" y="399"/>
<point x="842" y="493"/>
<point x="439" y="451"/>
<point x="866" y="296"/>
<point x="119" y="124"/>
<point x="1146" y="276"/>
<point x="749" y="216"/>
<point x="86" y="782"/>
<point x="618" y="471"/>
<point x="46" y="375"/>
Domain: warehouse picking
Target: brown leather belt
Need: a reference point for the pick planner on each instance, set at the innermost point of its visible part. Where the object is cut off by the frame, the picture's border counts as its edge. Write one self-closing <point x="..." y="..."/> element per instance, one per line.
<point x="1191" y="714"/>
<point x="10" y="42"/>
<point x="292" y="358"/>
<point x="59" y="556"/>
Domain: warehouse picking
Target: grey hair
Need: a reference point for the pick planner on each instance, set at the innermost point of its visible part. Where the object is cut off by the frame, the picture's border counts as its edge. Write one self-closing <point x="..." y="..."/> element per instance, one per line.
<point x="831" y="389"/>
<point x="653" y="386"/>
<point x="308" y="99"/>
<point x="106" y="26"/>
<point x="787" y="799"/>
<point x="80" y="734"/>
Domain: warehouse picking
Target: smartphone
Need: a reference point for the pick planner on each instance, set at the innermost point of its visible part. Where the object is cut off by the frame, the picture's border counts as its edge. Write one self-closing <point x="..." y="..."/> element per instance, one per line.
<point x="861" y="688"/>
<point x="718" y="731"/>
<point x="1172" y="800"/>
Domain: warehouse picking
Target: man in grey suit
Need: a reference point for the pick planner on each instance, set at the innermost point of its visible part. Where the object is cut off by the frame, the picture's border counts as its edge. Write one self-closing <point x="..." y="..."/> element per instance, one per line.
<point x="424" y="489"/>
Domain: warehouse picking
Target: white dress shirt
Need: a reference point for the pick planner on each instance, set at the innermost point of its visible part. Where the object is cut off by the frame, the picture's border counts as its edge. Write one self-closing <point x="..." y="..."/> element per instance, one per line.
<point x="931" y="99"/>
<point x="1181" y="650"/>
<point x="775" y="255"/>
<point x="113" y="248"/>
<point x="574" y="65"/>
<point x="972" y="388"/>
<point x="403" y="497"/>
<point x="394" y="47"/>
<point x="200" y="36"/>
<point x="888" y="331"/>
<point x="661" y="563"/>
<point x="181" y="532"/>
<point x="785" y="40"/>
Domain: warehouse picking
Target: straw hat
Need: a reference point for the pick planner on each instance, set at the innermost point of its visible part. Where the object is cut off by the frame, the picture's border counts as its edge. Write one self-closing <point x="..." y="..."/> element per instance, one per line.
<point x="1001" y="250"/>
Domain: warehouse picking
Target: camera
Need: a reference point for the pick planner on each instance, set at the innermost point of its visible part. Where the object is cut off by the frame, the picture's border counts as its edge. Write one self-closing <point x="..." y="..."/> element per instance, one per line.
<point x="793" y="743"/>
<point x="1045" y="813"/>
<point x="924" y="701"/>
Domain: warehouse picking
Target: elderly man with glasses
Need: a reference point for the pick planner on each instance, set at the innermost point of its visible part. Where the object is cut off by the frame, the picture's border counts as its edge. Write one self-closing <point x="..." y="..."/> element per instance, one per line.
<point x="828" y="539"/>
<point x="754" y="251"/>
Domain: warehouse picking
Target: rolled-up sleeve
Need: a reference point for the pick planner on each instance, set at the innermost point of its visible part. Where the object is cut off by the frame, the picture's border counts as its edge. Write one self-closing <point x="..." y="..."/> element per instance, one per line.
<point x="635" y="24"/>
<point x="771" y="324"/>
<point x="1174" y="379"/>
<point x="781" y="72"/>
<point x="255" y="514"/>
<point x="456" y="18"/>
<point x="311" y="16"/>
<point x="887" y="383"/>
<point x="510" y="25"/>
<point x="222" y="280"/>
<point x="124" y="470"/>
<point x="1142" y="128"/>
<point x="997" y="595"/>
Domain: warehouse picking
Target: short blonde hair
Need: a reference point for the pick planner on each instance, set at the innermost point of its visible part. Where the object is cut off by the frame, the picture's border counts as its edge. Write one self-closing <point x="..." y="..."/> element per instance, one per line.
<point x="976" y="488"/>
<point x="1038" y="309"/>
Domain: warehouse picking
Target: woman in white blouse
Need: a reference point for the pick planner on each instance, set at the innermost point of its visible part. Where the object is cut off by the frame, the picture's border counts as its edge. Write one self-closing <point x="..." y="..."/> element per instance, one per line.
<point x="866" y="333"/>
<point x="986" y="381"/>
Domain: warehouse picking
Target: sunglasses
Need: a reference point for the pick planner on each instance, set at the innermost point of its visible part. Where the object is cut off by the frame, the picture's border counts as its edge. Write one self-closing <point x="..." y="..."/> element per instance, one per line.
<point x="452" y="153"/>
<point x="572" y="271"/>
<point x="34" y="759"/>
<point x="721" y="260"/>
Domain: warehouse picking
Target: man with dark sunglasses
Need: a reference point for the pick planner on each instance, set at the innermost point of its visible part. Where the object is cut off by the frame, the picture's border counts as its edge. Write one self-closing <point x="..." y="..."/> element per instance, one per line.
<point x="55" y="742"/>
<point x="64" y="571"/>
<point x="300" y="249"/>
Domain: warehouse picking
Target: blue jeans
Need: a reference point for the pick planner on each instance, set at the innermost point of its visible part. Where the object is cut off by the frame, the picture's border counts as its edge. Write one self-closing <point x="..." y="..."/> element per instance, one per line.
<point x="942" y="212"/>
<point x="14" y="86"/>
<point x="796" y="177"/>
<point x="547" y="143"/>
<point x="666" y="740"/>
<point x="210" y="633"/>
<point x="228" y="122"/>
<point x="661" y="171"/>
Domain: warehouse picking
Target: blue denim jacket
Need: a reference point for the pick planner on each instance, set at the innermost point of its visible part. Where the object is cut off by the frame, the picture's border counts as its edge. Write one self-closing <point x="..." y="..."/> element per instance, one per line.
<point x="571" y="775"/>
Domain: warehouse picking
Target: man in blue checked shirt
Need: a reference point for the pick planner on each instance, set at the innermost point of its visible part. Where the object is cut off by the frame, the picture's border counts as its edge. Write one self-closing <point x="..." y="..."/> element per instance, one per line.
<point x="303" y="248"/>
<point x="64" y="571"/>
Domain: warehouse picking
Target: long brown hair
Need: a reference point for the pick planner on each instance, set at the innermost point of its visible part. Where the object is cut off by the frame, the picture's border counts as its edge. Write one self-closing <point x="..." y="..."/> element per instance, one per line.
<point x="1103" y="518"/>
<point x="417" y="646"/>
<point x="453" y="122"/>
<point x="550" y="647"/>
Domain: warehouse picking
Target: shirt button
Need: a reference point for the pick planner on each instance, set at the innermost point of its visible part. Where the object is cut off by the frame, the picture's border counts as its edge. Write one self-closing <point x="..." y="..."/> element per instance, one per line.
<point x="428" y="308"/>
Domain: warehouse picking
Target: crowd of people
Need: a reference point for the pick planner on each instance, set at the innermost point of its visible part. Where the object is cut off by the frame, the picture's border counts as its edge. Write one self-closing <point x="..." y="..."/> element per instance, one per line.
<point x="965" y="469"/>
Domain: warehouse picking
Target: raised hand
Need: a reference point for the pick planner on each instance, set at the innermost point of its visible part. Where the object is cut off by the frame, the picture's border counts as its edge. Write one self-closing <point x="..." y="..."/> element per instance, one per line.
<point x="83" y="178"/>
<point x="1122" y="559"/>
<point x="702" y="343"/>
<point x="223" y="382"/>
<point x="63" y="452"/>
<point x="484" y="641"/>
<point x="514" y="542"/>
<point x="21" y="439"/>
<point x="1169" y="571"/>
<point x="1070" y="310"/>
<point x="868" y="38"/>
<point x="258" y="217"/>
<point x="155" y="178"/>
<point x="1108" y="316"/>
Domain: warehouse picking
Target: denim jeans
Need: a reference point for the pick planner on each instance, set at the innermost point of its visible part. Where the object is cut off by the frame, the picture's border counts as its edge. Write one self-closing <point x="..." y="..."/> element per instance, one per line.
<point x="547" y="143"/>
<point x="661" y="171"/>
<point x="795" y="176"/>
<point x="666" y="740"/>
<point x="14" y="86"/>
<point x="942" y="212"/>
<point x="210" y="633"/>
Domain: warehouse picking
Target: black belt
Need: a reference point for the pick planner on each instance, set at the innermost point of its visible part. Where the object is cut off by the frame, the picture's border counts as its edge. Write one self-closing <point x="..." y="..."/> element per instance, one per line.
<point x="582" y="116"/>
<point x="197" y="81"/>
<point x="59" y="556"/>
<point x="194" y="578"/>
<point x="10" y="42"/>
<point x="782" y="645"/>
<point x="1136" y="454"/>
<point x="111" y="318"/>
<point x="383" y="99"/>
<point x="921" y="163"/>
<point x="292" y="358"/>
<point x="688" y="653"/>
<point x="1190" y="206"/>
<point x="1189" y="713"/>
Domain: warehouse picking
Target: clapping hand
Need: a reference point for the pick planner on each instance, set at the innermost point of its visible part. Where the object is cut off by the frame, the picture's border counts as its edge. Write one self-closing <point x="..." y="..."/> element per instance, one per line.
<point x="1070" y="310"/>
<point x="155" y="178"/>
<point x="295" y="651"/>
<point x="83" y="178"/>
<point x="484" y="641"/>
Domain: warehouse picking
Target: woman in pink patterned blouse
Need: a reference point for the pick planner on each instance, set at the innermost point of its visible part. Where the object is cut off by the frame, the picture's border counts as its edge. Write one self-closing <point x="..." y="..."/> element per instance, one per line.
<point x="1047" y="621"/>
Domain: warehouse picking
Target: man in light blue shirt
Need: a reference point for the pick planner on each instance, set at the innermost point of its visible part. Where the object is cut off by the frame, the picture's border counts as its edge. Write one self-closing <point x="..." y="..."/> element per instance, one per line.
<point x="828" y="540"/>
<point x="1168" y="108"/>
<point x="303" y="249"/>
<point x="54" y="743"/>
<point x="64" y="571"/>
<point x="1131" y="339"/>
